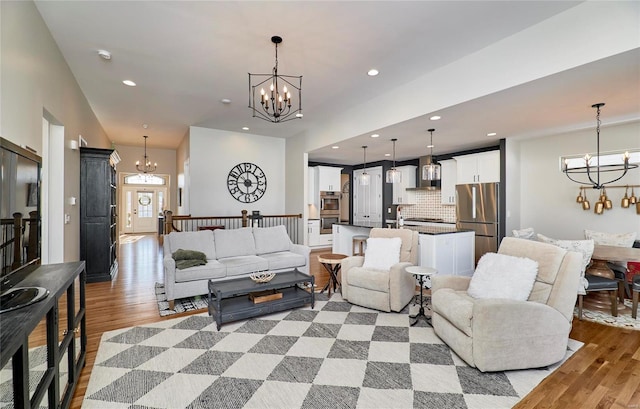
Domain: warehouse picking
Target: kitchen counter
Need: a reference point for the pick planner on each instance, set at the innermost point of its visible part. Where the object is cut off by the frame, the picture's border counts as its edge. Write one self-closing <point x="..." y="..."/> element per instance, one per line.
<point x="445" y="229"/>
<point x="442" y="246"/>
<point x="434" y="230"/>
<point x="366" y="225"/>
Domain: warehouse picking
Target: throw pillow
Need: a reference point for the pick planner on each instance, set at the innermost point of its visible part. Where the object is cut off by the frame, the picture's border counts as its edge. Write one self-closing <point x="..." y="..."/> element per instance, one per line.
<point x="382" y="253"/>
<point x="527" y="233"/>
<point x="271" y="239"/>
<point x="584" y="247"/>
<point x="611" y="239"/>
<point x="503" y="276"/>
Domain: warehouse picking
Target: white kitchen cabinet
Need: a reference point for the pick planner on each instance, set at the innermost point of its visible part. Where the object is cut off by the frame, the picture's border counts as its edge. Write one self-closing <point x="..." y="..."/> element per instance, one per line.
<point x="313" y="230"/>
<point x="450" y="254"/>
<point x="400" y="194"/>
<point x="328" y="179"/>
<point x="325" y="240"/>
<point x="449" y="171"/>
<point x="483" y="167"/>
<point x="367" y="200"/>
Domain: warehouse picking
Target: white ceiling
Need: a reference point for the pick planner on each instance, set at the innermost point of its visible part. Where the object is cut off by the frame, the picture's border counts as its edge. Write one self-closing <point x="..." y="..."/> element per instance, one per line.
<point x="187" y="56"/>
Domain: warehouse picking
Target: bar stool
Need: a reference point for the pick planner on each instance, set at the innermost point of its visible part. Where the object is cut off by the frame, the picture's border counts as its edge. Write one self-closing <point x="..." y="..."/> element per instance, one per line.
<point x="359" y="242"/>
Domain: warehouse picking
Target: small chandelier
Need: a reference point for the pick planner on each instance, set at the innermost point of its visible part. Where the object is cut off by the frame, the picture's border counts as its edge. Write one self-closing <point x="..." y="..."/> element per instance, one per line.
<point x="393" y="174"/>
<point x="275" y="105"/>
<point x="603" y="163"/>
<point x="431" y="171"/>
<point x="146" y="167"/>
<point x="365" y="178"/>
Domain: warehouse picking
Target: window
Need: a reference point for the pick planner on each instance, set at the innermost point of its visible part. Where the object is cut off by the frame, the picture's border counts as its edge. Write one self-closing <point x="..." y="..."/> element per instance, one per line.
<point x="608" y="159"/>
<point x="144" y="180"/>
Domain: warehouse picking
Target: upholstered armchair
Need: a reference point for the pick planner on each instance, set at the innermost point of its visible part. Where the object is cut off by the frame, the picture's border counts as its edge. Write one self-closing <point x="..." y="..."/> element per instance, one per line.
<point x="500" y="334"/>
<point x="385" y="290"/>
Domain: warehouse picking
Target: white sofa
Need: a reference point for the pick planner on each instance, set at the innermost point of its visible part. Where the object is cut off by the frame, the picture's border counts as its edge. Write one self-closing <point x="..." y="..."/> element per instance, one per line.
<point x="230" y="253"/>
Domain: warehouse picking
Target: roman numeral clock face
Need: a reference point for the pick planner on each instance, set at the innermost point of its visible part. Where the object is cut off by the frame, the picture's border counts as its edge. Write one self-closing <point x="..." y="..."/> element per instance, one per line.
<point x="247" y="182"/>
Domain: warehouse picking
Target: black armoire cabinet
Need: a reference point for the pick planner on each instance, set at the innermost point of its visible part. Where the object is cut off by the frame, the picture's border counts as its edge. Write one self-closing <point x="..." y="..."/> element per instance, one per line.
<point x="98" y="221"/>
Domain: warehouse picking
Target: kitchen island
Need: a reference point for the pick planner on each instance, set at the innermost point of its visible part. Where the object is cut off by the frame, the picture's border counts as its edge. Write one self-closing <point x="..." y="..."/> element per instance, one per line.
<point x="446" y="248"/>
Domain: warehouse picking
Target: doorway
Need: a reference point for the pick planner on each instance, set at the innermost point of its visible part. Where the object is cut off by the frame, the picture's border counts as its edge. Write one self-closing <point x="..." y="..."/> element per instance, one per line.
<point x="142" y="200"/>
<point x="141" y="209"/>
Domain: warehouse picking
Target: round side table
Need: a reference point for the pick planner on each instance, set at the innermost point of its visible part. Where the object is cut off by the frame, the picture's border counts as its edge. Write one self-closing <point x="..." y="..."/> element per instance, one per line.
<point x="331" y="262"/>
<point x="420" y="273"/>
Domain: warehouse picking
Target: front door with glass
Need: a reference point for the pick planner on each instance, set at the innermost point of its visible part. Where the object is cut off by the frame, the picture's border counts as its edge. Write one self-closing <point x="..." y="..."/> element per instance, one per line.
<point x="140" y="210"/>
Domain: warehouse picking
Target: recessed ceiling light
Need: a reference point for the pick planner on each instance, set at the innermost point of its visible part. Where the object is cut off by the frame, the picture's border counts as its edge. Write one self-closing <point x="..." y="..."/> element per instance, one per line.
<point x="145" y="126"/>
<point x="299" y="115"/>
<point x="492" y="134"/>
<point x="387" y="154"/>
<point x="104" y="54"/>
<point x="335" y="147"/>
<point x="430" y="146"/>
<point x="129" y="83"/>
<point x="225" y="100"/>
<point x="435" y="117"/>
<point x="375" y="135"/>
<point x="372" y="72"/>
<point x="245" y="128"/>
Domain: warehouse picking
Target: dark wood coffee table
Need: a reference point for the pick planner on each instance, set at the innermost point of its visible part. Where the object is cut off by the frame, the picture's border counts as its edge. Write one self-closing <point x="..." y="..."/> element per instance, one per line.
<point x="229" y="299"/>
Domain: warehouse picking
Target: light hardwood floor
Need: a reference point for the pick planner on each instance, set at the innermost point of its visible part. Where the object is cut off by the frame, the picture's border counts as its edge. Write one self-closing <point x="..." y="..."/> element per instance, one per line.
<point x="604" y="373"/>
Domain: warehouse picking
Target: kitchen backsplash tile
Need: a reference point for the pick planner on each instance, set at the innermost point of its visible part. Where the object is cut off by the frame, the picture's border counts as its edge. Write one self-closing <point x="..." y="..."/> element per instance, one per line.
<point x="428" y="204"/>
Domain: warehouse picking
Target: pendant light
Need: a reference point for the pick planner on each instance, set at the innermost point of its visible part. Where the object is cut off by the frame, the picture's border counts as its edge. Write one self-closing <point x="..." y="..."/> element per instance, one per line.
<point x="593" y="166"/>
<point x="393" y="174"/>
<point x="146" y="166"/>
<point x="365" y="178"/>
<point x="431" y="171"/>
<point x="277" y="103"/>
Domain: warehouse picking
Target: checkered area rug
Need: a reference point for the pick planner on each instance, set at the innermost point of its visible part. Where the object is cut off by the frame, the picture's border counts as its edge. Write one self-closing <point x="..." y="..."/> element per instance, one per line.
<point x="199" y="302"/>
<point x="337" y="355"/>
<point x="37" y="370"/>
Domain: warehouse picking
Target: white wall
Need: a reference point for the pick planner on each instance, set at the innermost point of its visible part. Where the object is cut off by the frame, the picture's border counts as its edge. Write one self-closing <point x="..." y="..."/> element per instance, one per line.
<point x="512" y="171"/>
<point x="548" y="198"/>
<point x="213" y="153"/>
<point x="34" y="77"/>
<point x="182" y="154"/>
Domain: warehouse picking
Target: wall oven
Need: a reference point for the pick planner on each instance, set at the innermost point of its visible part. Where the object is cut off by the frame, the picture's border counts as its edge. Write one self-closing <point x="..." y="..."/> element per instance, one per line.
<point x="327" y="222"/>
<point x="329" y="203"/>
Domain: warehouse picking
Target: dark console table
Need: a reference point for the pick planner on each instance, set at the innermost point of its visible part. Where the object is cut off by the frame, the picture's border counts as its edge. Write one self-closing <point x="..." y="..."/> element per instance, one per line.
<point x="229" y="300"/>
<point x="49" y="334"/>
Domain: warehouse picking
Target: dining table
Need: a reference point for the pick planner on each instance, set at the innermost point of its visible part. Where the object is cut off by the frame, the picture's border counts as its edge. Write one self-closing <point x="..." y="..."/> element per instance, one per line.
<point x="601" y="255"/>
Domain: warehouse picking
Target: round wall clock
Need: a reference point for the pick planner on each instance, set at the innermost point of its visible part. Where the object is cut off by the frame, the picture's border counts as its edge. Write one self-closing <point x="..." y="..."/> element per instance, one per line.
<point x="247" y="182"/>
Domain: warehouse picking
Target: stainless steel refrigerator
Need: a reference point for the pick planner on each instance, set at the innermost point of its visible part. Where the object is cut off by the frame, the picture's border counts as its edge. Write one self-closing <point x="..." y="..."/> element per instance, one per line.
<point x="477" y="209"/>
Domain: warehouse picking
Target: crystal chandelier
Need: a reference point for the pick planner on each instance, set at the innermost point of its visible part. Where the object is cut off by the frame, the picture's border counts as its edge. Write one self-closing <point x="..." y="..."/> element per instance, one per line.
<point x="393" y="174"/>
<point x="365" y="178"/>
<point x="431" y="171"/>
<point x="275" y="104"/>
<point x="146" y="167"/>
<point x="592" y="166"/>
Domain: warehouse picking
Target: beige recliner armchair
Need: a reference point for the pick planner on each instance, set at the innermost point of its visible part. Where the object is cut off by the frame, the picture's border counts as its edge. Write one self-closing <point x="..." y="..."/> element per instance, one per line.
<point x="500" y="334"/>
<point x="382" y="290"/>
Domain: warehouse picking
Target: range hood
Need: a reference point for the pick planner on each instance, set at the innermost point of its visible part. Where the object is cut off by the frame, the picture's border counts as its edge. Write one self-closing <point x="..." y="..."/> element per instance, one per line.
<point x="425" y="184"/>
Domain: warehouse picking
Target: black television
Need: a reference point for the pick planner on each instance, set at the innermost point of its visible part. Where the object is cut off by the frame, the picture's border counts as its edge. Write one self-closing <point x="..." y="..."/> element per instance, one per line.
<point x="20" y="221"/>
